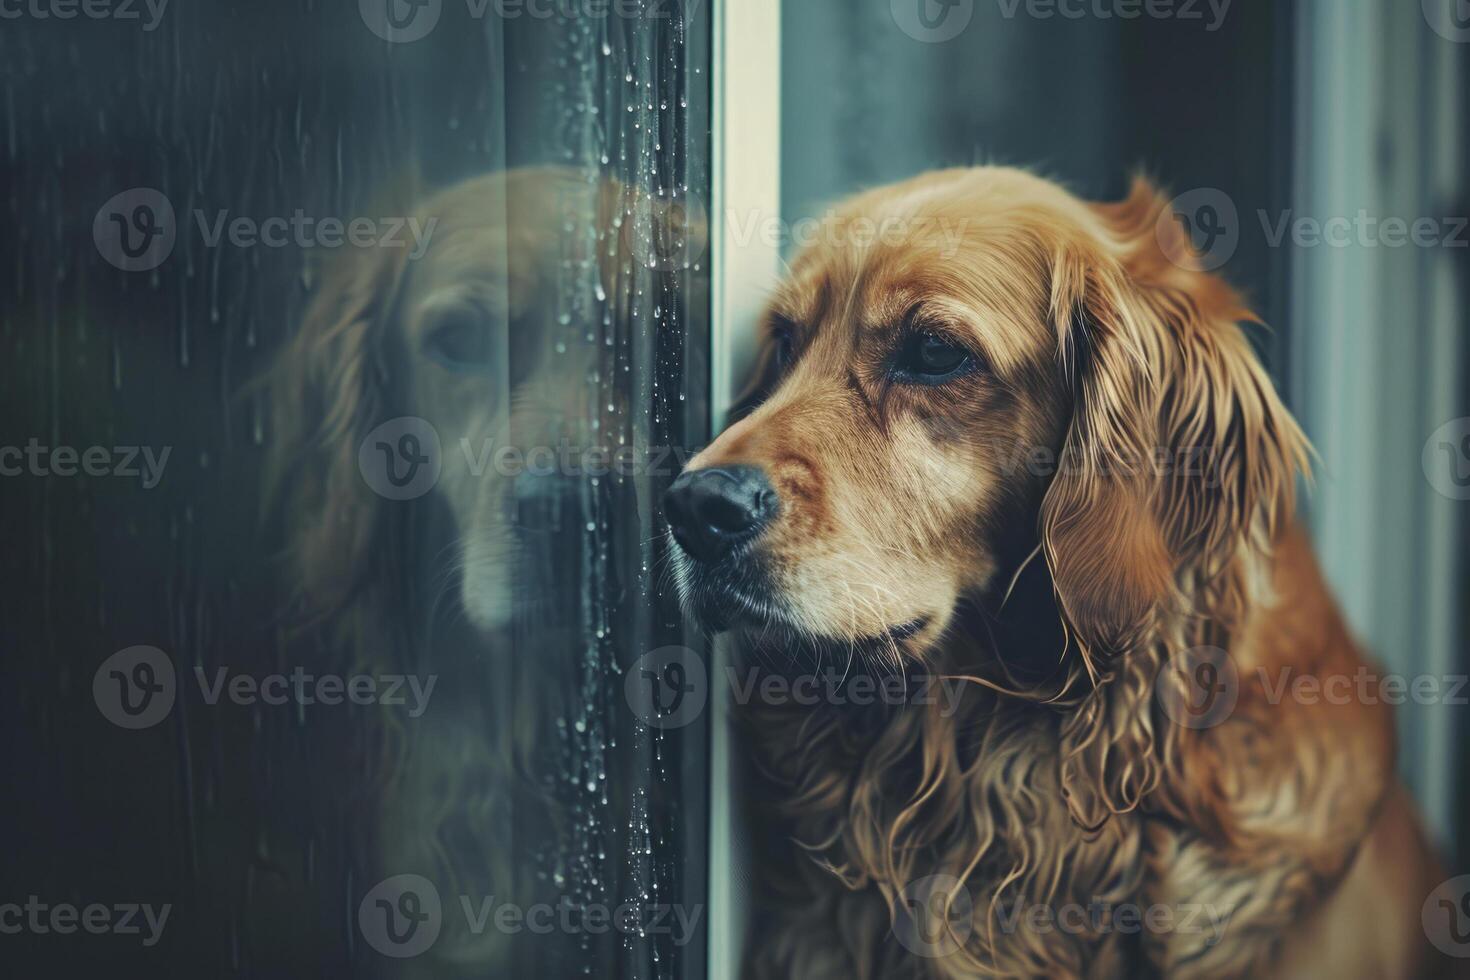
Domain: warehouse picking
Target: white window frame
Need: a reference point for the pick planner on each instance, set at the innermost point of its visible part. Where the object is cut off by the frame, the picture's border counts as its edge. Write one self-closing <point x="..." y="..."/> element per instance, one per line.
<point x="746" y="122"/>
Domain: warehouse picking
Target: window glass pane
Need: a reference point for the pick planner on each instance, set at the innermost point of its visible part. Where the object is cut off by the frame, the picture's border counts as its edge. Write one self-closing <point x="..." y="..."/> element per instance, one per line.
<point x="348" y="350"/>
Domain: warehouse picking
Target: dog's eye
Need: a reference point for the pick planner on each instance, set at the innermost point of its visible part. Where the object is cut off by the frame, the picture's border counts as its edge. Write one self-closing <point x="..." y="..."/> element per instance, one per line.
<point x="785" y="348"/>
<point x="460" y="341"/>
<point x="928" y="358"/>
<point x="783" y="340"/>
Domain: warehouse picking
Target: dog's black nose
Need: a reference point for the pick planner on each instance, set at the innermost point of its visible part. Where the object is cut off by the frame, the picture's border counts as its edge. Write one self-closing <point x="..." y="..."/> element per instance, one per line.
<point x="710" y="511"/>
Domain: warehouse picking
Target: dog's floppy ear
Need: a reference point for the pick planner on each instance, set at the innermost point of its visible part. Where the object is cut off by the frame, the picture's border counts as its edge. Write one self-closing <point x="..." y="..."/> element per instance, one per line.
<point x="329" y="387"/>
<point x="1179" y="452"/>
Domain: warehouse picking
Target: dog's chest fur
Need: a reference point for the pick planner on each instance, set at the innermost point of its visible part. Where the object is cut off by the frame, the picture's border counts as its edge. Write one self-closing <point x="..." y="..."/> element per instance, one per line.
<point x="876" y="809"/>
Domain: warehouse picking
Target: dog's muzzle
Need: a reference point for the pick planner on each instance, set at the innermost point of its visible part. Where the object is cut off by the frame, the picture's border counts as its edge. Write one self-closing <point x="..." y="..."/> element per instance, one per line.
<point x="715" y="517"/>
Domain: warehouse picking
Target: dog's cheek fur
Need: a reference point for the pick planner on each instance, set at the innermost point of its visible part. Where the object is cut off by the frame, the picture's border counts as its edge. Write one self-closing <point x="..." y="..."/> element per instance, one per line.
<point x="851" y="553"/>
<point x="883" y="524"/>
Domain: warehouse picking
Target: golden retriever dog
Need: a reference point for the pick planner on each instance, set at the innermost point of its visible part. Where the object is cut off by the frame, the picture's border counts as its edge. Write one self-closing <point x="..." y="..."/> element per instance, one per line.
<point x="1019" y="442"/>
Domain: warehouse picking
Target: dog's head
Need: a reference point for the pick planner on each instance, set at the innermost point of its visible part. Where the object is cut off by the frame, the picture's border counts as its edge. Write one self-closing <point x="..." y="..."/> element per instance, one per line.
<point x="965" y="360"/>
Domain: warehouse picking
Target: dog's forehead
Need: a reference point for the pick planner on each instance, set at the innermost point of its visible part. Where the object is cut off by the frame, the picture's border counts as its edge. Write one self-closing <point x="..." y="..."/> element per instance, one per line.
<point x="986" y="275"/>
